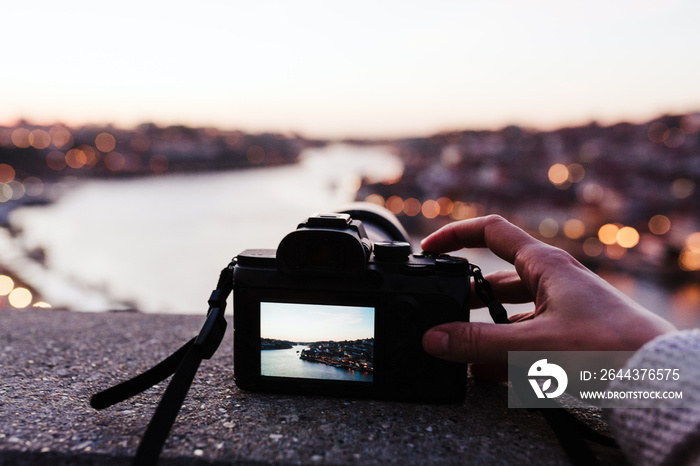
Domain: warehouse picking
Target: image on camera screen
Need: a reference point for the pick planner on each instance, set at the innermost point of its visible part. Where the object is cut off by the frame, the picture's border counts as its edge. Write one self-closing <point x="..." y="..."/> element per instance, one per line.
<point x="317" y="341"/>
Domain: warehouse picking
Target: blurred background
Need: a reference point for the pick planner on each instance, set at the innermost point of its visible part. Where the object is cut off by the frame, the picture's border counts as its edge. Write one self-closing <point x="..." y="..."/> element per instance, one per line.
<point x="144" y="144"/>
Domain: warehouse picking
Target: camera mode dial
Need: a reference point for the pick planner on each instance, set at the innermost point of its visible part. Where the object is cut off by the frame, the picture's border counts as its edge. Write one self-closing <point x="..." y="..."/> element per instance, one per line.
<point x="393" y="251"/>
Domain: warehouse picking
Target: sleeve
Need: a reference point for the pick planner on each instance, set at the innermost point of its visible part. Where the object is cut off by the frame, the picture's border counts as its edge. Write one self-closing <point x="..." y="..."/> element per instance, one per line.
<point x="663" y="435"/>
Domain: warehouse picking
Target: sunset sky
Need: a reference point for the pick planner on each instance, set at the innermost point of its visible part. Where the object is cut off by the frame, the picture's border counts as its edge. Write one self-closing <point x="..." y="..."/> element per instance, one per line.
<point x="336" y="69"/>
<point x="314" y="322"/>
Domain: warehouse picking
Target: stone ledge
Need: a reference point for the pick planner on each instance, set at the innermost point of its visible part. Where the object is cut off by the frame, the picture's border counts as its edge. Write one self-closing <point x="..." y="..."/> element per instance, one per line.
<point x="52" y="361"/>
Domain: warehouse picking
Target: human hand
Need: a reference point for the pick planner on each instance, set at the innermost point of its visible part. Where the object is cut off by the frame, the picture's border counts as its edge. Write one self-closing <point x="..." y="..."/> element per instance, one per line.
<point x="574" y="308"/>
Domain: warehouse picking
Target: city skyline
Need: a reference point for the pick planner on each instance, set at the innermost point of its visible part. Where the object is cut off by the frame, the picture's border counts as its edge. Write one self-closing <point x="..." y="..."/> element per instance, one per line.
<point x="330" y="70"/>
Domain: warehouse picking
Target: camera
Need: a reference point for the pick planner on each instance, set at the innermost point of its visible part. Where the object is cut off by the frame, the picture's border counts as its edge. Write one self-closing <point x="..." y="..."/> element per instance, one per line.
<point x="340" y="308"/>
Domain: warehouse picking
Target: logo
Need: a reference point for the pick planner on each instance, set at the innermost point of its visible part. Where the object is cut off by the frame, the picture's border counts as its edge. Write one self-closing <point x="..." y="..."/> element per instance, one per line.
<point x="542" y="369"/>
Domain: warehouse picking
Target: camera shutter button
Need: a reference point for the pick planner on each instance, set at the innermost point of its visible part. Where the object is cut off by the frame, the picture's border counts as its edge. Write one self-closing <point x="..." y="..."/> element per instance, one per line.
<point x="452" y="265"/>
<point x="394" y="251"/>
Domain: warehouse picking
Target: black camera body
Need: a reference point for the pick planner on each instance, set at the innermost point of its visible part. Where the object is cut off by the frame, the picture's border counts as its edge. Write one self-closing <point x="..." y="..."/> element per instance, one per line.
<point x="334" y="312"/>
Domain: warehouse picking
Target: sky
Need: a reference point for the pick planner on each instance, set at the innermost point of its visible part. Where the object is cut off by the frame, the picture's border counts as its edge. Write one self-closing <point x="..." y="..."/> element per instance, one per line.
<point x="349" y="69"/>
<point x="309" y="323"/>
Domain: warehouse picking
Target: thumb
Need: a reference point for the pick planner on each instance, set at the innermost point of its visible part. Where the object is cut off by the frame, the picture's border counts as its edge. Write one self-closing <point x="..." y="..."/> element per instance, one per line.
<point x="475" y="342"/>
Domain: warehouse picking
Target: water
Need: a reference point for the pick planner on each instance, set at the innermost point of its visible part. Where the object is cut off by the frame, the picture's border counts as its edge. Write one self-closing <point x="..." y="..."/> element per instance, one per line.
<point x="158" y="244"/>
<point x="286" y="363"/>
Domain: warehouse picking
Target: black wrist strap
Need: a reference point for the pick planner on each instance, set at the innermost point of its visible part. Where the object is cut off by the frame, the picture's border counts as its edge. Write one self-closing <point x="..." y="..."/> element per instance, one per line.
<point x="184" y="364"/>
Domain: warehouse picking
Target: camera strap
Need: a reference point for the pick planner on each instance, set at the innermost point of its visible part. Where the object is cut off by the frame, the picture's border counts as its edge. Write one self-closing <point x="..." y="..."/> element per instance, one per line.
<point x="184" y="364"/>
<point x="483" y="290"/>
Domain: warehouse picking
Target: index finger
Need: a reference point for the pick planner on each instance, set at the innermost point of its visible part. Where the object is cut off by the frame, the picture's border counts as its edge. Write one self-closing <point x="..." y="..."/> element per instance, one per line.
<point x="532" y="258"/>
<point x="493" y="232"/>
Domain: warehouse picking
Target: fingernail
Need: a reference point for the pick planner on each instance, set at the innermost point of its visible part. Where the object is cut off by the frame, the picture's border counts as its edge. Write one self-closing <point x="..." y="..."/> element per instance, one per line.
<point x="437" y="343"/>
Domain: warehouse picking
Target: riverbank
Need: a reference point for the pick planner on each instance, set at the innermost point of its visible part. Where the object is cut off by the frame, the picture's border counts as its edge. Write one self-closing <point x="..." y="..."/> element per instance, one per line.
<point x="52" y="362"/>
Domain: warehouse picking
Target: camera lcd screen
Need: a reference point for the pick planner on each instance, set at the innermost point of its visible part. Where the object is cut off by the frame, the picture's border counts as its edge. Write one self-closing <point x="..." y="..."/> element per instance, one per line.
<point x="317" y="341"/>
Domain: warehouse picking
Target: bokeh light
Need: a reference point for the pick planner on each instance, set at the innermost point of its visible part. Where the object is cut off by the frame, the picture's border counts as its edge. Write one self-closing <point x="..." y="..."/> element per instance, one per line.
<point x="7" y="173"/>
<point x="20" y="138"/>
<point x="615" y="251"/>
<point x="56" y="160"/>
<point x="39" y="139"/>
<point x="627" y="237"/>
<point x="20" y="298"/>
<point x="411" y="207"/>
<point x="446" y="205"/>
<point x="61" y="138"/>
<point x="689" y="260"/>
<point x="375" y="199"/>
<point x="430" y="209"/>
<point x="558" y="174"/>
<point x="114" y="161"/>
<point x="658" y="132"/>
<point x="593" y="247"/>
<point x="607" y="234"/>
<point x="682" y="188"/>
<point x="76" y="158"/>
<point x="105" y="142"/>
<point x="140" y="142"/>
<point x="574" y="228"/>
<point x="576" y="172"/>
<point x="463" y="210"/>
<point x="659" y="224"/>
<point x="7" y="284"/>
<point x="549" y="228"/>
<point x="395" y="205"/>
<point x="692" y="242"/>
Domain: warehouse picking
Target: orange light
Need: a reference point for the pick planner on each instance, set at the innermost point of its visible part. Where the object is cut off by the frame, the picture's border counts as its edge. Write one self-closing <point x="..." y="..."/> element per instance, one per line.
<point x="446" y="205"/>
<point x="375" y="199"/>
<point x="411" y="207"/>
<point x="692" y="242"/>
<point x="394" y="204"/>
<point x="689" y="260"/>
<point x="7" y="173"/>
<point x="39" y="139"/>
<point x="105" y="142"/>
<point x="60" y="137"/>
<point x="607" y="234"/>
<point x="115" y="161"/>
<point x="627" y="237"/>
<point x="659" y="224"/>
<point x="20" y="138"/>
<point x="558" y="174"/>
<point x="430" y="209"/>
<point x="463" y="210"/>
<point x="574" y="228"/>
<point x="76" y="158"/>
